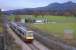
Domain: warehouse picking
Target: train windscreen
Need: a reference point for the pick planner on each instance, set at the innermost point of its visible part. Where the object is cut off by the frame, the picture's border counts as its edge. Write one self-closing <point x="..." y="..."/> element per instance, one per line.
<point x="29" y="34"/>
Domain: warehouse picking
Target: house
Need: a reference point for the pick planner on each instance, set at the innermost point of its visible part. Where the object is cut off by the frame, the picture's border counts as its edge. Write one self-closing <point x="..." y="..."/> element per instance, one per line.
<point x="40" y="21"/>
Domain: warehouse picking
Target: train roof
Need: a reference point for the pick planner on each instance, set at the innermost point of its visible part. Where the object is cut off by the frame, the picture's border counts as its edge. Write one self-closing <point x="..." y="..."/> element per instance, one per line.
<point x="23" y="29"/>
<point x="29" y="31"/>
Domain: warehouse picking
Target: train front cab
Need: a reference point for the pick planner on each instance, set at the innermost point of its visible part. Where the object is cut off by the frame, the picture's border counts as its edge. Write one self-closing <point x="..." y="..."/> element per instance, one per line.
<point x="29" y="37"/>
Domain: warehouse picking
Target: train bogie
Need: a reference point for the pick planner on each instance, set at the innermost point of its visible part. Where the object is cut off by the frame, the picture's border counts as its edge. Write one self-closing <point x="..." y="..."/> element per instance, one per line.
<point x="29" y="40"/>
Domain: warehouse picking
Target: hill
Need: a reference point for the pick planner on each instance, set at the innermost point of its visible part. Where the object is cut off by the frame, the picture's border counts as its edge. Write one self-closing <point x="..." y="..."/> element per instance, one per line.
<point x="68" y="8"/>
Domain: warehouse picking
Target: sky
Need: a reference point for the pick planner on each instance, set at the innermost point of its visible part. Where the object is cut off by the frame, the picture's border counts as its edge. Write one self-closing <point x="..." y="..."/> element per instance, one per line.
<point x="20" y="4"/>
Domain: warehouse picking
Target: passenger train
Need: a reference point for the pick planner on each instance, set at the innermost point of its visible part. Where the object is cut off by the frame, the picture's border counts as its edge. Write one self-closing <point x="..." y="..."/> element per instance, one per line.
<point x="26" y="35"/>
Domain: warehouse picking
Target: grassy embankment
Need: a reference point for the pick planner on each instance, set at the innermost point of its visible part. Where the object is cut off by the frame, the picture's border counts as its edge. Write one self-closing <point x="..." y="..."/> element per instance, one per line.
<point x="1" y="29"/>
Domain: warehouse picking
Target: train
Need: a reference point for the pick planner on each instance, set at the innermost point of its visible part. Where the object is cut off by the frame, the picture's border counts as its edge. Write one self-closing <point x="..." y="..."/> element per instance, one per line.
<point x="25" y="34"/>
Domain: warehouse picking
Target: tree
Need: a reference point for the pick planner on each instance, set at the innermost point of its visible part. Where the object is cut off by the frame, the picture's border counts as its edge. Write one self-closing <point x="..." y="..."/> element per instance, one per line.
<point x="0" y="16"/>
<point x="73" y="11"/>
<point x="35" y="14"/>
<point x="17" y="18"/>
<point x="42" y="14"/>
<point x="1" y="19"/>
<point x="67" y="13"/>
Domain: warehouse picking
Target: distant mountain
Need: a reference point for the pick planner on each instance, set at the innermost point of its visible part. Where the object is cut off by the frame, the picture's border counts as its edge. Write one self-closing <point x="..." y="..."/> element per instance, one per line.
<point x="52" y="9"/>
<point x="62" y="7"/>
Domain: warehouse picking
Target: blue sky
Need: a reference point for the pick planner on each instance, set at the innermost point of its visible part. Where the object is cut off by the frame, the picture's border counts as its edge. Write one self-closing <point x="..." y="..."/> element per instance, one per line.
<point x="19" y="4"/>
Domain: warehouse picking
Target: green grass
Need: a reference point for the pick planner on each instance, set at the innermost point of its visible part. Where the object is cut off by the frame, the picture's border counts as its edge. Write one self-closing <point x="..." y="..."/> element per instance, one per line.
<point x="58" y="19"/>
<point x="11" y="18"/>
<point x="1" y="29"/>
<point x="57" y="28"/>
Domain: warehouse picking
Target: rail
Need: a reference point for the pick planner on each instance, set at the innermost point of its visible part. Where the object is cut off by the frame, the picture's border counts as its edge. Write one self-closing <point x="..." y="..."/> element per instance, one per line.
<point x="55" y="45"/>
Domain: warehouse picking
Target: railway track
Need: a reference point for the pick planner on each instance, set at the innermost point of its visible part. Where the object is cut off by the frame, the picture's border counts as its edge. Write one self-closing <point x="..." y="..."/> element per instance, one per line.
<point x="52" y="44"/>
<point x="36" y="45"/>
<point x="33" y="45"/>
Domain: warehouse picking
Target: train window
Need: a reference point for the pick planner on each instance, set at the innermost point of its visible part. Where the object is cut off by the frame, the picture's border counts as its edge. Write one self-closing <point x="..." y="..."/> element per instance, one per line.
<point x="20" y="31"/>
<point x="29" y="34"/>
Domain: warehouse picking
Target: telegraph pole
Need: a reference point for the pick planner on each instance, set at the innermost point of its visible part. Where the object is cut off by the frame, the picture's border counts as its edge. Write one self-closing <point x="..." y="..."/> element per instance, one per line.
<point x="3" y="22"/>
<point x="1" y="32"/>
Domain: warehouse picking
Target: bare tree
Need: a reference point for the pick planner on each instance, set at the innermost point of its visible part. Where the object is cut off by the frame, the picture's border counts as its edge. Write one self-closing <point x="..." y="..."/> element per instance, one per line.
<point x="17" y="18"/>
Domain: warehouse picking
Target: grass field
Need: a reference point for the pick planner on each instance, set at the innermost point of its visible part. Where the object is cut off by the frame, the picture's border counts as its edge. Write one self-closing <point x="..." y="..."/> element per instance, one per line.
<point x="57" y="28"/>
<point x="62" y="23"/>
<point x="58" y="19"/>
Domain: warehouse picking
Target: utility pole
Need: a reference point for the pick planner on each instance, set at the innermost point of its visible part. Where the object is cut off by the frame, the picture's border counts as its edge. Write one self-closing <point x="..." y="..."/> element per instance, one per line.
<point x="1" y="32"/>
<point x="5" y="33"/>
<point x="3" y="22"/>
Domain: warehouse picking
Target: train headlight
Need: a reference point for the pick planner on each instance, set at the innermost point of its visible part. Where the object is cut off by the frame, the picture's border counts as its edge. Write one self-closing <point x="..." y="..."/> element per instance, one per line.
<point x="29" y="37"/>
